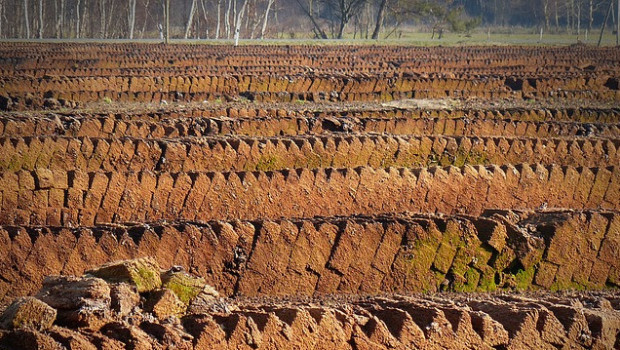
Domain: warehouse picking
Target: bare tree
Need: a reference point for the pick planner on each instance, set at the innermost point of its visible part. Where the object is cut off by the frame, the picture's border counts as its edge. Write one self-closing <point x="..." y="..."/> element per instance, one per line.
<point x="131" y="19"/>
<point x="238" y="21"/>
<point x="227" y="19"/>
<point x="146" y="17"/>
<point x="190" y="20"/>
<point x="102" y="19"/>
<point x="77" y="19"/>
<point x="219" y="19"/>
<point x="320" y="33"/>
<point x="206" y="17"/>
<point x="167" y="19"/>
<point x="380" y="18"/>
<point x="60" y="16"/>
<point x="40" y="19"/>
<point x="1" y="16"/>
<point x="346" y="9"/>
<point x="262" y="32"/>
<point x="26" y="19"/>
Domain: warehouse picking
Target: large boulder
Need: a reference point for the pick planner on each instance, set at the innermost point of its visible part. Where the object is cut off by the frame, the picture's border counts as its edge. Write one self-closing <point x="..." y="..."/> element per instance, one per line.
<point x="142" y="273"/>
<point x="28" y="312"/>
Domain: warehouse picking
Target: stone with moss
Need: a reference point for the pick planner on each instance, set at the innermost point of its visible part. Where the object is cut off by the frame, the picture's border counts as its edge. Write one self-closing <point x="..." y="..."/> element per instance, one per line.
<point x="144" y="273"/>
<point x="524" y="278"/>
<point x="28" y="312"/>
<point x="186" y="286"/>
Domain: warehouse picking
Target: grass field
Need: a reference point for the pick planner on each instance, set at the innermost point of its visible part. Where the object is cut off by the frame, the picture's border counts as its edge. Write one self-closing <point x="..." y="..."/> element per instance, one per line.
<point x="408" y="39"/>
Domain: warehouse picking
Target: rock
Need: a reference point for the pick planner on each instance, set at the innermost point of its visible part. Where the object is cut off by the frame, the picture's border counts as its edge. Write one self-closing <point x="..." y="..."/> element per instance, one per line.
<point x="70" y="339"/>
<point x="29" y="339"/>
<point x="124" y="298"/>
<point x="72" y="293"/>
<point x="133" y="337"/>
<point x="186" y="286"/>
<point x="165" y="303"/>
<point x="83" y="302"/>
<point x="44" y="177"/>
<point x="28" y="312"/>
<point x="170" y="336"/>
<point x="142" y="273"/>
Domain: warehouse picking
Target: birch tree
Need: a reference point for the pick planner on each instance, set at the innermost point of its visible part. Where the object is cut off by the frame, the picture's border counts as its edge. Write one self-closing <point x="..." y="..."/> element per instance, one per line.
<point x="60" y="16"/>
<point x="1" y="16"/>
<point x="131" y="19"/>
<point x="219" y="19"/>
<point x="206" y="17"/>
<point x="227" y="19"/>
<point x="77" y="19"/>
<point x="238" y="21"/>
<point x="40" y="19"/>
<point x="190" y="20"/>
<point x="264" y="28"/>
<point x="26" y="19"/>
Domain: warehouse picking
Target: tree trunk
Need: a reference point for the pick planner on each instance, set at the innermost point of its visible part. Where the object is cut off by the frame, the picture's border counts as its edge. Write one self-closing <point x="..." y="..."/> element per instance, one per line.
<point x="131" y="20"/>
<point x="309" y="12"/>
<point x="578" y="19"/>
<point x="590" y="14"/>
<point x="546" y="13"/>
<point x="610" y="10"/>
<point x="40" y="19"/>
<point x="557" y="16"/>
<point x="190" y="20"/>
<point x="219" y="19"/>
<point x="618" y="25"/>
<point x="379" y="22"/>
<point x="146" y="13"/>
<point x="227" y="19"/>
<point x="234" y="17"/>
<point x="102" y="19"/>
<point x="60" y="20"/>
<point x="26" y="19"/>
<point x="77" y="19"/>
<point x="262" y="32"/>
<point x="206" y="17"/>
<point x="238" y="22"/>
<point x="167" y="19"/>
<point x="568" y="16"/>
<point x="1" y="15"/>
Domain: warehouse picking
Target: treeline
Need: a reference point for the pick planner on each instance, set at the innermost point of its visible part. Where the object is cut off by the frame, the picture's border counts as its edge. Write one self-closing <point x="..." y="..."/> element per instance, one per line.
<point x="255" y="19"/>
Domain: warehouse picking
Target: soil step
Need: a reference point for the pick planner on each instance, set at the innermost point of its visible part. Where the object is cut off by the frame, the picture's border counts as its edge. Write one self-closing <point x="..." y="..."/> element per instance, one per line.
<point x="310" y="152"/>
<point x="166" y="126"/>
<point x="43" y="197"/>
<point x="501" y="250"/>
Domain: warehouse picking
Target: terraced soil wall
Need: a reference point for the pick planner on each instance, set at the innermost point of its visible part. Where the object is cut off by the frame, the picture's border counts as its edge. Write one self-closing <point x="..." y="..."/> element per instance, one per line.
<point x="337" y="255"/>
<point x="317" y="189"/>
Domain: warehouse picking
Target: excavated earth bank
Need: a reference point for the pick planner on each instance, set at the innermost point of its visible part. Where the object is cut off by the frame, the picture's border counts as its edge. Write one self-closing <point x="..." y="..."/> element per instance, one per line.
<point x="309" y="197"/>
